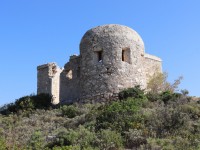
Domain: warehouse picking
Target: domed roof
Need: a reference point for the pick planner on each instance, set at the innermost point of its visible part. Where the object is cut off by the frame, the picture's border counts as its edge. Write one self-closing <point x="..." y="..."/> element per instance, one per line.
<point x="115" y="32"/>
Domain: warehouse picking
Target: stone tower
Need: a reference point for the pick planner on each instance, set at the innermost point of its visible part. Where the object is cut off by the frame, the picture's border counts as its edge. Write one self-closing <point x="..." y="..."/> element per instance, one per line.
<point x="48" y="81"/>
<point x="112" y="58"/>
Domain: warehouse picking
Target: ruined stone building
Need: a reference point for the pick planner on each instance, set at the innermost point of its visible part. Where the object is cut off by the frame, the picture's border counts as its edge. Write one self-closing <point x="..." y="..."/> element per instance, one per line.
<point x="112" y="58"/>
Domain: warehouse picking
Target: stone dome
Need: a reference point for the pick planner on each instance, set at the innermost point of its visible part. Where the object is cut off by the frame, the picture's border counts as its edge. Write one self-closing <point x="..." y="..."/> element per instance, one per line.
<point x="111" y="33"/>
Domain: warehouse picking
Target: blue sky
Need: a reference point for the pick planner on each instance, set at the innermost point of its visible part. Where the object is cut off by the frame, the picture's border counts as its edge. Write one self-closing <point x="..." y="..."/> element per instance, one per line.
<point x="34" y="32"/>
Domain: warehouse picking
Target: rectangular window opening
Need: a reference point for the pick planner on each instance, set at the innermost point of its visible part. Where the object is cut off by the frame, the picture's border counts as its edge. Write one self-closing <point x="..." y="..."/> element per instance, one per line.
<point x="126" y="55"/>
<point x="99" y="56"/>
<point x="123" y="55"/>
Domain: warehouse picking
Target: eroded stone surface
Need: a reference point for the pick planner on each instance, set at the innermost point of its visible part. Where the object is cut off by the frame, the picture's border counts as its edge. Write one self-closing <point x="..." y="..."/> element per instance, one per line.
<point x="111" y="58"/>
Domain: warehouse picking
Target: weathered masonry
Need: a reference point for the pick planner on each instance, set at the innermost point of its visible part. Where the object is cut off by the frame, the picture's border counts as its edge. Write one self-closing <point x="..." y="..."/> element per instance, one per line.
<point x="112" y="58"/>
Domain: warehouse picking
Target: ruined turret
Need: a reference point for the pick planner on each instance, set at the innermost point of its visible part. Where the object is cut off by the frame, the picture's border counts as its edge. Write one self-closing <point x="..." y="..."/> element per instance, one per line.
<point x="112" y="58"/>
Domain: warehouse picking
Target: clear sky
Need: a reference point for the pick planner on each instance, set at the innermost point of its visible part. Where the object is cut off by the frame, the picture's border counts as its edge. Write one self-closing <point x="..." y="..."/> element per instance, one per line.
<point x="34" y="32"/>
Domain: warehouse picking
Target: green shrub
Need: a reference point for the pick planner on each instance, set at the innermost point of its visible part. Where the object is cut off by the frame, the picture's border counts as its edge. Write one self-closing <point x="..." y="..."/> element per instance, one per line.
<point x="152" y="97"/>
<point x="164" y="144"/>
<point x="2" y="144"/>
<point x="36" y="141"/>
<point x="70" y="111"/>
<point x="120" y="115"/>
<point x="81" y="137"/>
<point x="135" y="138"/>
<point x="173" y="143"/>
<point x="108" y="139"/>
<point x="135" y="92"/>
<point x="66" y="148"/>
<point x="167" y="96"/>
<point x="167" y="121"/>
<point x="192" y="109"/>
<point x="28" y="103"/>
<point x="42" y="101"/>
<point x="8" y="108"/>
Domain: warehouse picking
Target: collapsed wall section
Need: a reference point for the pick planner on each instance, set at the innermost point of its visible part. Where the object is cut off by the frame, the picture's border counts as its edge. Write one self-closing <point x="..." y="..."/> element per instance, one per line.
<point x="48" y="78"/>
<point x="70" y="81"/>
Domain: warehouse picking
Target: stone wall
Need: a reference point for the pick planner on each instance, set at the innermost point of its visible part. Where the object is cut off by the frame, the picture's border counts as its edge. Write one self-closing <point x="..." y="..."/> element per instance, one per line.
<point x="70" y="81"/>
<point x="108" y="76"/>
<point x="48" y="77"/>
<point x="111" y="59"/>
<point x="152" y="65"/>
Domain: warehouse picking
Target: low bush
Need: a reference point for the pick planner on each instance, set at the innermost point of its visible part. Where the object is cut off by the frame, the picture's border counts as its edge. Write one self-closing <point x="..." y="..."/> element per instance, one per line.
<point x="167" y="121"/>
<point x="66" y="148"/>
<point x="167" y="96"/>
<point x="135" y="92"/>
<point x="28" y="103"/>
<point x="135" y="138"/>
<point x="163" y="120"/>
<point x="80" y="137"/>
<point x="2" y="144"/>
<point x="192" y="109"/>
<point x="36" y="141"/>
<point x="120" y="115"/>
<point x="108" y="140"/>
<point x="70" y="111"/>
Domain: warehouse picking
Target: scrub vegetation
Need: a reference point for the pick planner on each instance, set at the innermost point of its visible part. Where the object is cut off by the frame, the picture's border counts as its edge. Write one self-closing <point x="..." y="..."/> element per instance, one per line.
<point x="160" y="118"/>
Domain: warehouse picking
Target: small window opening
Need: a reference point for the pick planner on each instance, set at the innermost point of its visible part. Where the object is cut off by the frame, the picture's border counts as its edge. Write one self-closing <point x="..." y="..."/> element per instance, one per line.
<point x="126" y="55"/>
<point x="69" y="74"/>
<point x="123" y="55"/>
<point x="99" y="56"/>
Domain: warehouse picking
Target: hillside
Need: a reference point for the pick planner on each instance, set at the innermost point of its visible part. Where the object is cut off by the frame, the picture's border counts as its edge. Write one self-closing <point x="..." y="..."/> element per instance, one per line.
<point x="137" y="121"/>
